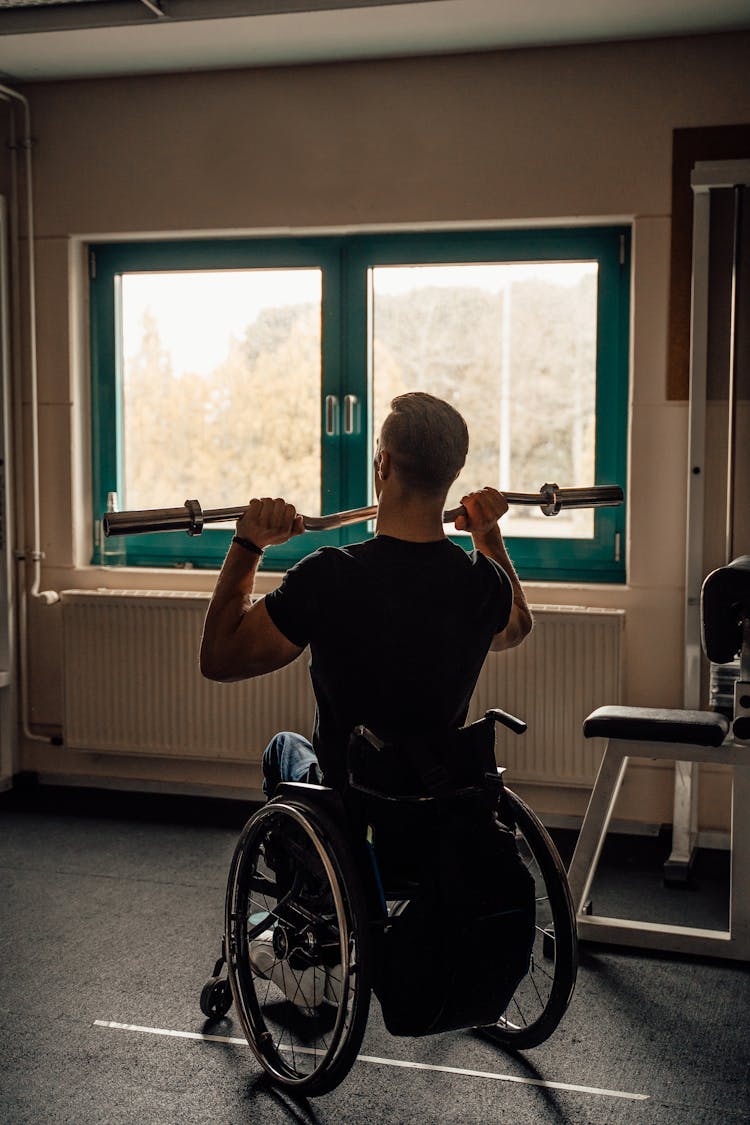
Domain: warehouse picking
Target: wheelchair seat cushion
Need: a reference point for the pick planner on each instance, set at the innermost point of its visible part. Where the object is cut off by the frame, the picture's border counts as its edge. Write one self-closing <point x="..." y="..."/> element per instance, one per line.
<point x="655" y="724"/>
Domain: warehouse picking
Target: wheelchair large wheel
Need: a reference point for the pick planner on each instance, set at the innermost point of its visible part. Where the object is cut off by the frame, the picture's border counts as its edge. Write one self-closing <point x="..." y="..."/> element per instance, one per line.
<point x="543" y="995"/>
<point x="298" y="945"/>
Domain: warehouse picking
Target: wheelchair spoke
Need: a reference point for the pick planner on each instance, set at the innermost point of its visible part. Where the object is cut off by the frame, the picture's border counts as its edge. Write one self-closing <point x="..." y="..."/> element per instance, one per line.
<point x="539" y="970"/>
<point x="268" y="989"/>
<point x="291" y="1047"/>
<point x="532" y="978"/>
<point x="524" y="1021"/>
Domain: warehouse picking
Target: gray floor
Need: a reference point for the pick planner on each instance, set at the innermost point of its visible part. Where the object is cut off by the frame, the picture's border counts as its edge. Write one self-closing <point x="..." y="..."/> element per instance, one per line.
<point x="111" y="911"/>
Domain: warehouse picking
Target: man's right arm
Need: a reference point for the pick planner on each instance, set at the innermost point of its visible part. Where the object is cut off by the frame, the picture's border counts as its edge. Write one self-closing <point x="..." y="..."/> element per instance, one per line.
<point x="239" y="638"/>
<point x="483" y="511"/>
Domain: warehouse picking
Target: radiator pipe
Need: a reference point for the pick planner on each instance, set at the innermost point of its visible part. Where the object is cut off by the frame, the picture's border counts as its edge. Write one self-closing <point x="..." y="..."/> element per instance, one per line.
<point x="192" y="519"/>
<point x="35" y="554"/>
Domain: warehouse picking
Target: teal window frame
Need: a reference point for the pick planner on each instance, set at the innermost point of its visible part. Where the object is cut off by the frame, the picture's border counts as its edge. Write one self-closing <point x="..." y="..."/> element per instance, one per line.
<point x="345" y="262"/>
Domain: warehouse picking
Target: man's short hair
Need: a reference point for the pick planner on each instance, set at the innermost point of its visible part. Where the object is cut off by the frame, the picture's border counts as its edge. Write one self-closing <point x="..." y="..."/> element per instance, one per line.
<point x="427" y="440"/>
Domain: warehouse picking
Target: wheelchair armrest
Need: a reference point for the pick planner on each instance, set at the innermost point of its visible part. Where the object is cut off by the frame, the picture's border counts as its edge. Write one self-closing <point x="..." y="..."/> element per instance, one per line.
<point x="518" y="726"/>
<point x="312" y="796"/>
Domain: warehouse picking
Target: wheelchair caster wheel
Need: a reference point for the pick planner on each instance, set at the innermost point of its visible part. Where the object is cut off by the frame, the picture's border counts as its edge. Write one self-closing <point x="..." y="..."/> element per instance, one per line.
<point x="216" y="998"/>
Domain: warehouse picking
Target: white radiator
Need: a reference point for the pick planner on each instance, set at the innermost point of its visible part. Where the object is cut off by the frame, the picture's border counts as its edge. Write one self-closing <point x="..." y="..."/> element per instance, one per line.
<point x="132" y="683"/>
<point x="132" y="686"/>
<point x="571" y="663"/>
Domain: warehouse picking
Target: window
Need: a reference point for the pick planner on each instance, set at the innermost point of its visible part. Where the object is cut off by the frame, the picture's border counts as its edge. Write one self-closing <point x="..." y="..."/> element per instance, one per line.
<point x="226" y="369"/>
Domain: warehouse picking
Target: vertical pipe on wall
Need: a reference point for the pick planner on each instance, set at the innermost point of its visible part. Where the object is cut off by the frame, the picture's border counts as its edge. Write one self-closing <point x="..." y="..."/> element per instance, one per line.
<point x="47" y="597"/>
<point x="15" y="339"/>
<point x="7" y="538"/>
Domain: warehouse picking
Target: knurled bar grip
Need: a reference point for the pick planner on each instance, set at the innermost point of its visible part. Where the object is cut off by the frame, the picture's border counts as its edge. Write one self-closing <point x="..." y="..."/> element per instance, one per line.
<point x="191" y="518"/>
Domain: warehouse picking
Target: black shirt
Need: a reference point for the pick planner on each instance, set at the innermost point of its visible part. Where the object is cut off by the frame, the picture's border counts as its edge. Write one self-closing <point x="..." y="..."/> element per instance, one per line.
<point x="398" y="633"/>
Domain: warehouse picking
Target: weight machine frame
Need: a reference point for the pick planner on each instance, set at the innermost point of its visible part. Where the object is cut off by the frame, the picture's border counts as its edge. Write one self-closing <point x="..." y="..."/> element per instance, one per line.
<point x="706" y="177"/>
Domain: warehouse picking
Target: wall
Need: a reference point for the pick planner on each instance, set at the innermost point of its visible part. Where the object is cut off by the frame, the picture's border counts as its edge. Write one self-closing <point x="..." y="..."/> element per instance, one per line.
<point x="578" y="133"/>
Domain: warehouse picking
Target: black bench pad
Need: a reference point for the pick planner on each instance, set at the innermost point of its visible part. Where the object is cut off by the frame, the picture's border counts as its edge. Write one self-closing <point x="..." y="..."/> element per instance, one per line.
<point x="657" y="724"/>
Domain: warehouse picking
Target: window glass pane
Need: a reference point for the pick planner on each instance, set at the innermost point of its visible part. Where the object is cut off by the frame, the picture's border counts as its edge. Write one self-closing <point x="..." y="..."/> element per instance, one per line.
<point x="221" y="379"/>
<point x="513" y="347"/>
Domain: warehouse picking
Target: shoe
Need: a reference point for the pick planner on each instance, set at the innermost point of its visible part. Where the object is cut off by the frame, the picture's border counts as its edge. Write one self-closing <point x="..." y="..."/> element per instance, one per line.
<point x="306" y="988"/>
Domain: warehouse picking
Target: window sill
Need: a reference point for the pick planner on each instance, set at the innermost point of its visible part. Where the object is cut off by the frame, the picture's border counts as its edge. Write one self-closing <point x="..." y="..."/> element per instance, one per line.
<point x="188" y="579"/>
<point x="203" y="581"/>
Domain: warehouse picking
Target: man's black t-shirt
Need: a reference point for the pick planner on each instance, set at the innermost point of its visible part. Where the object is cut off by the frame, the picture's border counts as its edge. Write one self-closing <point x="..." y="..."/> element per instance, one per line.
<point x="398" y="633"/>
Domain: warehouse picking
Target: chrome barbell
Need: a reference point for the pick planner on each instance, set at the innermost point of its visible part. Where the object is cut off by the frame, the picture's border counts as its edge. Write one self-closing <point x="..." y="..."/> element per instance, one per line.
<point x="192" y="519"/>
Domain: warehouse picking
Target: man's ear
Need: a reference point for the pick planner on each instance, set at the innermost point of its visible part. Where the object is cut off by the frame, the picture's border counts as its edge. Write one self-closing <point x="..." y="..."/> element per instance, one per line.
<point x="384" y="464"/>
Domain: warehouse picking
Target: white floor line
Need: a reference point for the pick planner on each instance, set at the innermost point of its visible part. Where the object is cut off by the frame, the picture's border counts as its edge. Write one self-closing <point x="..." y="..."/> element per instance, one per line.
<point x="570" y="1087"/>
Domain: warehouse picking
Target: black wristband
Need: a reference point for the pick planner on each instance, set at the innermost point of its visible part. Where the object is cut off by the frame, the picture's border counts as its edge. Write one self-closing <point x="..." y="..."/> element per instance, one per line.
<point x="247" y="544"/>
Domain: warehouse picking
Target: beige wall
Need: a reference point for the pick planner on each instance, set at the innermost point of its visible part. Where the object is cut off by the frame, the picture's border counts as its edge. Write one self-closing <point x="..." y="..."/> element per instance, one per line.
<point x="579" y="133"/>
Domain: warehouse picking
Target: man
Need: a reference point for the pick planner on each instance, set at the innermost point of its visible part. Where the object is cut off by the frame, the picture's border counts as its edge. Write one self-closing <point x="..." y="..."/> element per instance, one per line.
<point x="398" y="626"/>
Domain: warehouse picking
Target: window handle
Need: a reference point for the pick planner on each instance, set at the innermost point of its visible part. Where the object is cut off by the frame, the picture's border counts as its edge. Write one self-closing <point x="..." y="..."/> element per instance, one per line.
<point x="332" y="406"/>
<point x="350" y="407"/>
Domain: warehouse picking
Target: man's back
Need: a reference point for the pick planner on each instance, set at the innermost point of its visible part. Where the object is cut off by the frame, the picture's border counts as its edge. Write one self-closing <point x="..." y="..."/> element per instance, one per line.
<point x="398" y="632"/>
<point x="398" y="626"/>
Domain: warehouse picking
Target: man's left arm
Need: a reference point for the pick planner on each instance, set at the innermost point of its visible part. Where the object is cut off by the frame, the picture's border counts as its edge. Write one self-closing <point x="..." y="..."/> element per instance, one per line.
<point x="239" y="638"/>
<point x="484" y="509"/>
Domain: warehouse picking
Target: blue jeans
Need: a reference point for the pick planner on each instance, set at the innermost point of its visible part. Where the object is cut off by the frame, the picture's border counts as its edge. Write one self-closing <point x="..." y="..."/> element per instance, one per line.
<point x="289" y="757"/>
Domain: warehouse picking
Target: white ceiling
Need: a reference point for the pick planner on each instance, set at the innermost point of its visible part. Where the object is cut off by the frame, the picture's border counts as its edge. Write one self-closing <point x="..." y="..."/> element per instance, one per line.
<point x="391" y="29"/>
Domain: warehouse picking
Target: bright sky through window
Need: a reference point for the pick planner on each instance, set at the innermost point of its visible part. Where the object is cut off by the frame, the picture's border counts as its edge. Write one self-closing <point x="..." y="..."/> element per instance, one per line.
<point x="199" y="313"/>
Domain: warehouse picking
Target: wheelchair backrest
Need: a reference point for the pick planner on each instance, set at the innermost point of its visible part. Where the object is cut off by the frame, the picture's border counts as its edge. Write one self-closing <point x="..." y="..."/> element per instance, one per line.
<point x="401" y="792"/>
<point x="423" y="766"/>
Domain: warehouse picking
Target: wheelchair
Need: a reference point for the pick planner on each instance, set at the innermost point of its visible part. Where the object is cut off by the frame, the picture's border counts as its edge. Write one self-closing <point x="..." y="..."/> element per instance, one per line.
<point x="308" y="901"/>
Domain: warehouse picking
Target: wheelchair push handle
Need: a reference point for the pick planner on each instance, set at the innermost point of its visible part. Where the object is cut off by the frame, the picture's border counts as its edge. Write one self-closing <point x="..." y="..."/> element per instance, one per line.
<point x="192" y="518"/>
<point x="518" y="726"/>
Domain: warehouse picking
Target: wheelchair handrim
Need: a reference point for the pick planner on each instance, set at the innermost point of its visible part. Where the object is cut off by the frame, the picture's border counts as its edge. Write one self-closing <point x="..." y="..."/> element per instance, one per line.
<point x="254" y="1025"/>
<point x="552" y="871"/>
